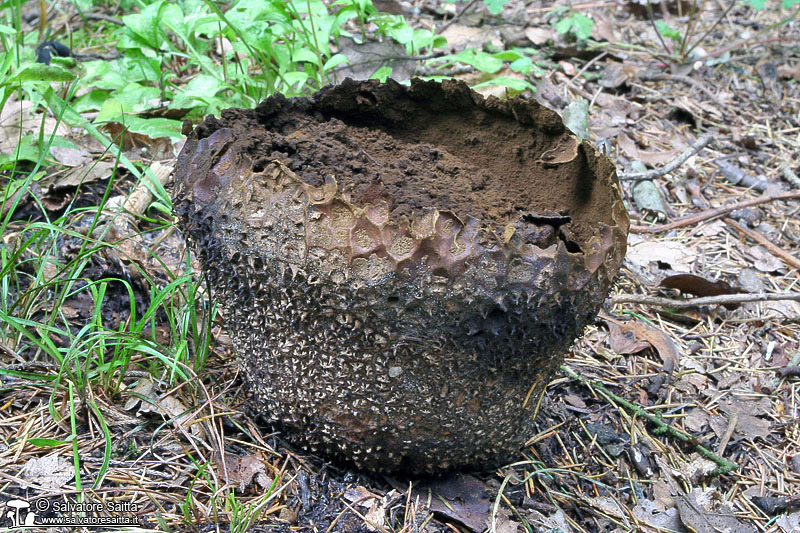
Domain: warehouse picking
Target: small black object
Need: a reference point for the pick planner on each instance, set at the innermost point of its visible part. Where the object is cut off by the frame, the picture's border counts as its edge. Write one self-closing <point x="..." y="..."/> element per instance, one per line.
<point x="48" y="49"/>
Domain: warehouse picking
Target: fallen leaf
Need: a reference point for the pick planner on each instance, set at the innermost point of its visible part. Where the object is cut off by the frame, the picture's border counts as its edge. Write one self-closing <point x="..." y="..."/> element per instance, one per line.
<point x="376" y="516"/>
<point x="765" y="261"/>
<point x="789" y="523"/>
<point x="696" y="420"/>
<point x="652" y="158"/>
<point x="569" y="68"/>
<point x="750" y="280"/>
<point x="143" y="388"/>
<point x="715" y="227"/>
<point x="659" y="340"/>
<point x="17" y="119"/>
<point x="51" y="472"/>
<point x="624" y="342"/>
<point x="366" y="58"/>
<point x="603" y="29"/>
<point x="697" y="468"/>
<point x="168" y="406"/>
<point x="172" y="408"/>
<point x="699" y="286"/>
<point x="555" y="522"/>
<point x="647" y="198"/>
<point x="83" y="174"/>
<point x="576" y="117"/>
<point x="614" y="75"/>
<point x="247" y="469"/>
<point x="71" y="157"/>
<point x="656" y="516"/>
<point x="360" y="496"/>
<point x="503" y="523"/>
<point x="698" y="514"/>
<point x="539" y="36"/>
<point x="746" y="405"/>
<point x="467" y="499"/>
<point x="460" y="36"/>
<point x="666" y="254"/>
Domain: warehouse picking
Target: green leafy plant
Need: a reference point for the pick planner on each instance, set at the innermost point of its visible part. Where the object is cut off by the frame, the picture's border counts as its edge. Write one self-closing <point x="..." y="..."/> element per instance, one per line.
<point x="495" y="7"/>
<point x="568" y="21"/>
<point x="761" y="4"/>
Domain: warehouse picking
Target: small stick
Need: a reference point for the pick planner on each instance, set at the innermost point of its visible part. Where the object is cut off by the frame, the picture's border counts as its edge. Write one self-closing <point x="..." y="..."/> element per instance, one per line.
<point x="712" y="213"/>
<point x="107" y="18"/>
<point x="721" y="299"/>
<point x="788" y="258"/>
<point x="789" y="372"/>
<point x="733" y="419"/>
<point x="698" y="145"/>
<point x="724" y="466"/>
<point x="588" y="64"/>
<point x="455" y="17"/>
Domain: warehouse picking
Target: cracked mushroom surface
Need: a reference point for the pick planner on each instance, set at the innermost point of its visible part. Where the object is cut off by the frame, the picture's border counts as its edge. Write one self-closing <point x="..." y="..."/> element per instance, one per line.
<point x="401" y="268"/>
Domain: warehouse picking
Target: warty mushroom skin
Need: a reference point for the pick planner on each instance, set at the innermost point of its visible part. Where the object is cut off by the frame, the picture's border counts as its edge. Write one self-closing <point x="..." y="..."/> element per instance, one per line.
<point x="418" y="345"/>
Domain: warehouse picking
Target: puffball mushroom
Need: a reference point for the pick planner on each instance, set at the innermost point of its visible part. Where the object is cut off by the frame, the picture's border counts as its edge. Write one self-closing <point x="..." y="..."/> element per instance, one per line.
<point x="401" y="268"/>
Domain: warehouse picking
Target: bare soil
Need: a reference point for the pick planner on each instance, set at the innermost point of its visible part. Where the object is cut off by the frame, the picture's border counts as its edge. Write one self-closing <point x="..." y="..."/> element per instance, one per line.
<point x="423" y="147"/>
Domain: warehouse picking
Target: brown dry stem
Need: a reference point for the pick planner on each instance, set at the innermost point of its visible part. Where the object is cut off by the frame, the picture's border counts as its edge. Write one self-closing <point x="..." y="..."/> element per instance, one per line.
<point x="713" y="213"/>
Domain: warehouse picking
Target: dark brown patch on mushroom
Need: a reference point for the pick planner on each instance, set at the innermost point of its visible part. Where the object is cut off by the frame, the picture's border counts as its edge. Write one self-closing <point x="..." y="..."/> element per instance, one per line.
<point x="401" y="268"/>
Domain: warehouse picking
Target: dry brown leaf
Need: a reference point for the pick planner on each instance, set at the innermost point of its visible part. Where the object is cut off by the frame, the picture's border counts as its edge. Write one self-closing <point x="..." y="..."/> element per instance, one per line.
<point x="614" y="75"/>
<point x="569" y="68"/>
<point x="539" y="36"/>
<point x="748" y="427"/>
<point x="360" y="496"/>
<point x="17" y="119"/>
<point x="467" y="499"/>
<point x="367" y="57"/>
<point x="376" y="516"/>
<point x="696" y="420"/>
<point x="659" y="340"/>
<point x="666" y="254"/>
<point x="603" y="29"/>
<point x="71" y="157"/>
<point x="86" y="173"/>
<point x="503" y="523"/>
<point x="789" y="523"/>
<point x="698" y="513"/>
<point x="460" y="36"/>
<point x="699" y="286"/>
<point x="247" y="469"/>
<point x="624" y="342"/>
<point x="143" y="388"/>
<point x="656" y="516"/>
<point x="51" y="472"/>
<point x="652" y="158"/>
<point x="765" y="261"/>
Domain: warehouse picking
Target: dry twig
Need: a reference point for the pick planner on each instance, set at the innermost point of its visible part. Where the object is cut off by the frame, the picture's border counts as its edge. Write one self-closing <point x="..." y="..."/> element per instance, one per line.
<point x="698" y="145"/>
<point x="455" y="17"/>
<point x="713" y="213"/>
<point x="788" y="258"/>
<point x="721" y="299"/>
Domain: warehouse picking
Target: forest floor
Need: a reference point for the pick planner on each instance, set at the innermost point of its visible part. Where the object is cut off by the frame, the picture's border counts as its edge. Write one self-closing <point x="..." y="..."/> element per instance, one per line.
<point x="178" y="440"/>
